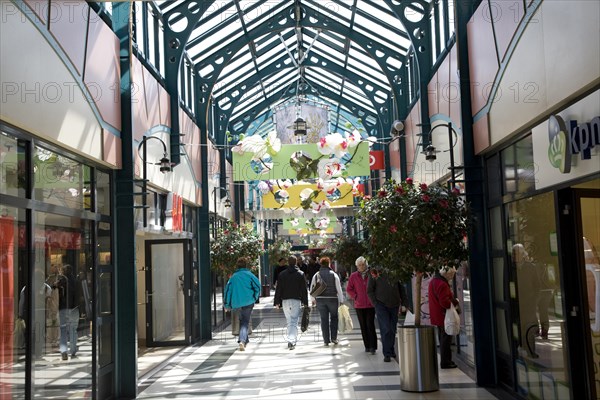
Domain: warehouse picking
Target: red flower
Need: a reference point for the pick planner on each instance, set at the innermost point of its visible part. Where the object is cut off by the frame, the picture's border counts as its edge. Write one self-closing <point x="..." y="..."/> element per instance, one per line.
<point x="423" y="187"/>
<point x="382" y="193"/>
<point x="443" y="203"/>
<point x="425" y="198"/>
<point x="400" y="190"/>
<point x="455" y="191"/>
<point x="409" y="181"/>
<point x="436" y="217"/>
<point x="393" y="228"/>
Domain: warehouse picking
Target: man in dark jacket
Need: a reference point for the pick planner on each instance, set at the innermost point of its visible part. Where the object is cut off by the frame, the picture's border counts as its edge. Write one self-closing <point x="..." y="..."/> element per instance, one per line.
<point x="290" y="294"/>
<point x="386" y="295"/>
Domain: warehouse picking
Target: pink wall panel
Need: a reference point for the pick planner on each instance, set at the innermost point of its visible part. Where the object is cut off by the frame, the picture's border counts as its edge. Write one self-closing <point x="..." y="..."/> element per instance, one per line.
<point x="165" y="106"/>
<point x="453" y="92"/>
<point x="111" y="148"/>
<point x="138" y="100"/>
<point x="68" y="24"/>
<point x="102" y="73"/>
<point x="395" y="155"/>
<point x="481" y="134"/>
<point x="39" y="8"/>
<point x="433" y="94"/>
<point x="483" y="63"/>
<point x="506" y="18"/>
<point x="213" y="162"/>
<point x="192" y="139"/>
<point x="150" y="90"/>
<point x="411" y="129"/>
<point x="444" y="87"/>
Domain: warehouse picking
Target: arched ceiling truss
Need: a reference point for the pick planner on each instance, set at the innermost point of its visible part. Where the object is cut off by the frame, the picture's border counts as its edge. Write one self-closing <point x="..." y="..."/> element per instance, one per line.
<point x="250" y="56"/>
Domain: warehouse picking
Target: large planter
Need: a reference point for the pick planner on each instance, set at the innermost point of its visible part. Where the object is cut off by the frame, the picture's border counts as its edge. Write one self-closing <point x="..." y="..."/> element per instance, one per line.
<point x="418" y="359"/>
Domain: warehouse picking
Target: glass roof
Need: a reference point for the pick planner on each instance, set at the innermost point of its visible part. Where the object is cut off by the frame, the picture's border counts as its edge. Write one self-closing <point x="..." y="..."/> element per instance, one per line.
<point x="261" y="54"/>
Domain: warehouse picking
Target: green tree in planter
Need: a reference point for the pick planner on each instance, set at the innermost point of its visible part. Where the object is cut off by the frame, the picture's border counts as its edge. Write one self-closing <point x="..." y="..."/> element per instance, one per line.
<point x="346" y="249"/>
<point x="232" y="242"/>
<point x="415" y="230"/>
<point x="280" y="248"/>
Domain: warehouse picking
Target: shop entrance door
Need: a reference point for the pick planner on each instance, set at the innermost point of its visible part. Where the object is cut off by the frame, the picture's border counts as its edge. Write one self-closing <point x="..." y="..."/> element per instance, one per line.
<point x="168" y="270"/>
<point x="580" y="252"/>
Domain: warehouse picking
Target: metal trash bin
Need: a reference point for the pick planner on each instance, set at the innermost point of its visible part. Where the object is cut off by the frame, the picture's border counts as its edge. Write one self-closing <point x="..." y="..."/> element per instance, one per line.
<point x="418" y="359"/>
<point x="266" y="290"/>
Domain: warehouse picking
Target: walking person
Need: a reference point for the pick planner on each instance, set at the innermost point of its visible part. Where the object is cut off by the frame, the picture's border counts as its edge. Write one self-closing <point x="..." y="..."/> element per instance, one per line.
<point x="291" y="294"/>
<point x="357" y="291"/>
<point x="241" y="293"/>
<point x="282" y="264"/>
<point x="328" y="301"/>
<point x="68" y="311"/>
<point x="440" y="298"/>
<point x="386" y="295"/>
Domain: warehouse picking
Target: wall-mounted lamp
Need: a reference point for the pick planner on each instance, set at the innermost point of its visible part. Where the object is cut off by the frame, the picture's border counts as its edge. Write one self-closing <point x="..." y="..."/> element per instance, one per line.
<point x="397" y="127"/>
<point x="430" y="151"/>
<point x="165" y="166"/>
<point x="226" y="204"/>
<point x="164" y="162"/>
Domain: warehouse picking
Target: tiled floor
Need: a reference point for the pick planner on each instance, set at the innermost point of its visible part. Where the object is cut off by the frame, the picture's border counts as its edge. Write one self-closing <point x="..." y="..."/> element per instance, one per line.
<point x="268" y="370"/>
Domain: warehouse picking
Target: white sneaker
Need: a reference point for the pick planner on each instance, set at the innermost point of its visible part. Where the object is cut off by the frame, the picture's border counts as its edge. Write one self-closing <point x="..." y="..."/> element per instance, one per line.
<point x="242" y="346"/>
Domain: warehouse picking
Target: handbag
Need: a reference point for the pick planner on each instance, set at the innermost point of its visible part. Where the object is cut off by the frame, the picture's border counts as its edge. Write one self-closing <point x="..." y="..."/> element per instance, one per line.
<point x="452" y="321"/>
<point x="305" y="318"/>
<point x="319" y="286"/>
<point x="19" y="333"/>
<point x="344" y="320"/>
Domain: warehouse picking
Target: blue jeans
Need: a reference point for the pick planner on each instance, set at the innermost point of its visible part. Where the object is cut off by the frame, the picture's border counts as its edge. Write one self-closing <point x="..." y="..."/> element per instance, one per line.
<point x="245" y="313"/>
<point x="69" y="319"/>
<point x="291" y="310"/>
<point x="328" y="310"/>
<point x="388" y="319"/>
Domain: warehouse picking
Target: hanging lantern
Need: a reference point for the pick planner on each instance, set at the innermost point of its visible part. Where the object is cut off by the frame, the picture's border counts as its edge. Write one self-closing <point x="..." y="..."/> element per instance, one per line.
<point x="299" y="129"/>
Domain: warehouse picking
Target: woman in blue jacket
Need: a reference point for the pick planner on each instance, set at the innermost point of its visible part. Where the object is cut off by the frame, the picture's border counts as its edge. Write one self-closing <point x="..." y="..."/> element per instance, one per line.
<point x="241" y="292"/>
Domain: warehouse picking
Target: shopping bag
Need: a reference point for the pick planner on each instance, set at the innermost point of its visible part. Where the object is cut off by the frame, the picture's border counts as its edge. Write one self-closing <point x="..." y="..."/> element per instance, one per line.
<point x="452" y="321"/>
<point x="305" y="319"/>
<point x="235" y="323"/>
<point x="344" y="319"/>
<point x="409" y="319"/>
<point x="19" y="333"/>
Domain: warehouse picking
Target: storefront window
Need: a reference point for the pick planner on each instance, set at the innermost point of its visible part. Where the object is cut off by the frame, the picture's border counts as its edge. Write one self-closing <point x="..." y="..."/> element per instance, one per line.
<point x="538" y="322"/>
<point x="13" y="313"/>
<point x="103" y="192"/>
<point x="518" y="167"/>
<point x="13" y="168"/>
<point x="60" y="180"/>
<point x="61" y="307"/>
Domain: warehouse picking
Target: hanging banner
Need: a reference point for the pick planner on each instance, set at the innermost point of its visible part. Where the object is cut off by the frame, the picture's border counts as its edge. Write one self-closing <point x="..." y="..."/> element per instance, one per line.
<point x="341" y="196"/>
<point x="376" y="160"/>
<point x="279" y="167"/>
<point x="316" y="119"/>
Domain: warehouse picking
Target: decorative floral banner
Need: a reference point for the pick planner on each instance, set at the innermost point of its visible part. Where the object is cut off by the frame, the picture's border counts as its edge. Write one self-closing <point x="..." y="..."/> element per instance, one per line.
<point x="308" y="161"/>
<point x="310" y="231"/>
<point x="316" y="223"/>
<point x="291" y="197"/>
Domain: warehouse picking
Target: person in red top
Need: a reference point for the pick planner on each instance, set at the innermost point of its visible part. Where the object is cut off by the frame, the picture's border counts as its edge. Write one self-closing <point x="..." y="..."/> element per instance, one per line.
<point x="440" y="298"/>
<point x="357" y="291"/>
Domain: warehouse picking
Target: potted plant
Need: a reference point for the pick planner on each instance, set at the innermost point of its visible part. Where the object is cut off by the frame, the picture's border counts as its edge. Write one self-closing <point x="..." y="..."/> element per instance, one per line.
<point x="414" y="230"/>
<point x="345" y="250"/>
<point x="232" y="242"/>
